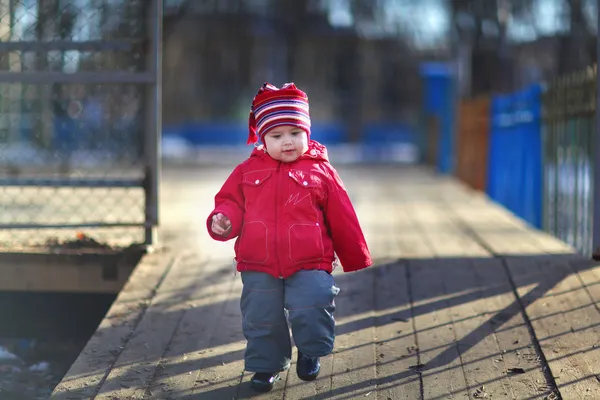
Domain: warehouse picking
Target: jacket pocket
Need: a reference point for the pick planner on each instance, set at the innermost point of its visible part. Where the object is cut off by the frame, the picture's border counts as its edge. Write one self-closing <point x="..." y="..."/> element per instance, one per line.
<point x="253" y="245"/>
<point x="305" y="242"/>
<point x="255" y="190"/>
<point x="256" y="178"/>
<point x="305" y="185"/>
<point x="306" y="179"/>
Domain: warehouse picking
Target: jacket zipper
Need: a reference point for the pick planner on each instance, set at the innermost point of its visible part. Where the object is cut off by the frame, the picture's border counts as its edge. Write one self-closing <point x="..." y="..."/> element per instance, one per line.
<point x="277" y="228"/>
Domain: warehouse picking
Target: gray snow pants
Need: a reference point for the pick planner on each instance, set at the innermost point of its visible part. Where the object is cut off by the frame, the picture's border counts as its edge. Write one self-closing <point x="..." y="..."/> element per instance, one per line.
<point x="305" y="298"/>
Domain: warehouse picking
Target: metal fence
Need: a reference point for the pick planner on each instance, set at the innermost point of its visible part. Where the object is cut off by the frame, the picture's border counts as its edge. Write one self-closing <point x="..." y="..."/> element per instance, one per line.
<point x="569" y="105"/>
<point x="541" y="155"/>
<point x="79" y="122"/>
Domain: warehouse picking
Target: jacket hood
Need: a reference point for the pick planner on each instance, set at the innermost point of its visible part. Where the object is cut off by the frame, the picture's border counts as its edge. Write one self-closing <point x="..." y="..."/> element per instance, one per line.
<point x="316" y="151"/>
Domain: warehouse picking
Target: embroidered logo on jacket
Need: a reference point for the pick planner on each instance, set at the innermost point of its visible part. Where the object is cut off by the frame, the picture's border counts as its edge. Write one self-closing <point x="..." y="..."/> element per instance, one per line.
<point x="294" y="199"/>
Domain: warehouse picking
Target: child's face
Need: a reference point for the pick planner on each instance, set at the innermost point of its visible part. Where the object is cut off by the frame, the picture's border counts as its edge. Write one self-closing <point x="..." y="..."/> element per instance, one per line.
<point x="286" y="143"/>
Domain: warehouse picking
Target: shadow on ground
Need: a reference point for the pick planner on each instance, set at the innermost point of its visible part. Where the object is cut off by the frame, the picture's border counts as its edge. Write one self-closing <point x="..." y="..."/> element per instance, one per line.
<point x="391" y="291"/>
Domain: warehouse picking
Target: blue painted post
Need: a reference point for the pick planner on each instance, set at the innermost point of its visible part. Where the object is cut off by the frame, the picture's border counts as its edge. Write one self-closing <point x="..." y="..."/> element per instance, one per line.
<point x="439" y="101"/>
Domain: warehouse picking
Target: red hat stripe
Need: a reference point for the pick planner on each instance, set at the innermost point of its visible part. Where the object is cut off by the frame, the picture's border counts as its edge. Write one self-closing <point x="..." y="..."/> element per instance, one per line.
<point x="278" y="106"/>
<point x="297" y="119"/>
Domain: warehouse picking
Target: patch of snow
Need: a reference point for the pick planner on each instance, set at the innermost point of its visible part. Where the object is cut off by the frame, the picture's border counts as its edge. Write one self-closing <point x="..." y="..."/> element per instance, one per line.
<point x="40" y="367"/>
<point x="6" y="355"/>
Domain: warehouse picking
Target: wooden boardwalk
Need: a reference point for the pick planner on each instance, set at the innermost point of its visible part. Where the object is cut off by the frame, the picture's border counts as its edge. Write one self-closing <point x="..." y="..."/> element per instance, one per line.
<point x="465" y="302"/>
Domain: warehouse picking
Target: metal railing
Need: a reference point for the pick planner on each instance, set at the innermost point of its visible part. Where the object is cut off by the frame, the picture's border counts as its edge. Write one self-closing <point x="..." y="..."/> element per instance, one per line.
<point x="569" y="105"/>
<point x="80" y="120"/>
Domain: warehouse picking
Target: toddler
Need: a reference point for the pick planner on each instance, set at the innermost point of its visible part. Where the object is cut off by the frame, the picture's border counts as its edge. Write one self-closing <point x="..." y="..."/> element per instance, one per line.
<point x="291" y="215"/>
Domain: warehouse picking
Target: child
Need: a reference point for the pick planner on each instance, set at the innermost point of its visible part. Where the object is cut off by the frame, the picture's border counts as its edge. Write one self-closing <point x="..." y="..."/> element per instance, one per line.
<point x="290" y="213"/>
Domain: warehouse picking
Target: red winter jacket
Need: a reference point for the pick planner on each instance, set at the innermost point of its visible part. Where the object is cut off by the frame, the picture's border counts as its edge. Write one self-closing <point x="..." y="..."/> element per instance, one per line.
<point x="290" y="216"/>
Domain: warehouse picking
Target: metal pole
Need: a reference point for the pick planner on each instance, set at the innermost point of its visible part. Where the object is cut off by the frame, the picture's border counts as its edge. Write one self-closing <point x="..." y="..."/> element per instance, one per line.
<point x="596" y="160"/>
<point x="153" y="127"/>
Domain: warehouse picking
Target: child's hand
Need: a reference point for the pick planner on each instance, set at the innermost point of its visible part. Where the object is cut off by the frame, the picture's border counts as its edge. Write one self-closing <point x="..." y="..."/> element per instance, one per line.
<point x="221" y="225"/>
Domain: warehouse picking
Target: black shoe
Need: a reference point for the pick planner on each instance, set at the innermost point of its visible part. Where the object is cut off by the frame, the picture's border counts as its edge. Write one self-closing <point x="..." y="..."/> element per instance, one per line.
<point x="264" y="381"/>
<point x="308" y="368"/>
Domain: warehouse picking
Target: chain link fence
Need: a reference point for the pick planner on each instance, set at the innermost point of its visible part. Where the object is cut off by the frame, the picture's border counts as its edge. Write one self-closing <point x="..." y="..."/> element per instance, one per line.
<point x="79" y="122"/>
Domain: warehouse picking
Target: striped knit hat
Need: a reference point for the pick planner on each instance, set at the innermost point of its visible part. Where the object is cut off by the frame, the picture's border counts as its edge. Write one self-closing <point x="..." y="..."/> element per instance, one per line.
<point x="274" y="107"/>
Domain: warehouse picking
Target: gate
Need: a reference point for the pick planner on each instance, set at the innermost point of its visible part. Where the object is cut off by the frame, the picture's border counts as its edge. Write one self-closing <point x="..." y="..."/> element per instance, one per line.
<point x="80" y="119"/>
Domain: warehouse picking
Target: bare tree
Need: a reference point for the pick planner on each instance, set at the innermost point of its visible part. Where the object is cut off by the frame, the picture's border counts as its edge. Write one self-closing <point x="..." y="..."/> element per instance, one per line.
<point x="578" y="49"/>
<point x="491" y="57"/>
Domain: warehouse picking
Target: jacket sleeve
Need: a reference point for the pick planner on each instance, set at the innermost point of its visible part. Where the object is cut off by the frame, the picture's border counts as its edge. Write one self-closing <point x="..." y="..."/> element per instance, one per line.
<point x="229" y="201"/>
<point x="348" y="240"/>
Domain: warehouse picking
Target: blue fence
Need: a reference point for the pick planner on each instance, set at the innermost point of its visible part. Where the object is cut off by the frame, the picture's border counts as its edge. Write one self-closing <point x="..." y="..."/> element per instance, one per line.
<point x="231" y="133"/>
<point x="515" y="154"/>
<point x="515" y="162"/>
<point x="379" y="142"/>
<point x="438" y="107"/>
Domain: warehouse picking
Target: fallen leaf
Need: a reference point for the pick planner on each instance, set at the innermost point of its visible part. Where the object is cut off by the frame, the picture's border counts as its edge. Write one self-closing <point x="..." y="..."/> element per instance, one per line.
<point x="410" y="349"/>
<point x="480" y="393"/>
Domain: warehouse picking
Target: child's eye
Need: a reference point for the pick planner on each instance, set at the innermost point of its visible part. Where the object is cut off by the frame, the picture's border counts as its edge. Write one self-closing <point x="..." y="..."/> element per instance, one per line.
<point x="276" y="136"/>
<point x="296" y="133"/>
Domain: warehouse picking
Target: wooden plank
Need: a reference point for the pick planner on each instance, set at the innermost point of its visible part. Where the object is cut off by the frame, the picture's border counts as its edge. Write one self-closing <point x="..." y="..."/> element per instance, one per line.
<point x="411" y="215"/>
<point x="447" y="239"/>
<point x="221" y="372"/>
<point x="137" y="364"/>
<point x="589" y="274"/>
<point x="565" y="319"/>
<point x="470" y="324"/>
<point x="91" y="367"/>
<point x="411" y="246"/>
<point x="225" y="378"/>
<point x="396" y="346"/>
<point x="479" y="347"/>
<point x="500" y="315"/>
<point x="396" y="341"/>
<point x="354" y="369"/>
<point x="439" y="369"/>
<point x="295" y="388"/>
<point x="323" y="384"/>
<point x="441" y="372"/>
<point x="182" y="200"/>
<point x="501" y="231"/>
<point x="202" y="339"/>
<point x="352" y="365"/>
<point x="542" y="282"/>
<point x="493" y="335"/>
<point x="507" y="240"/>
